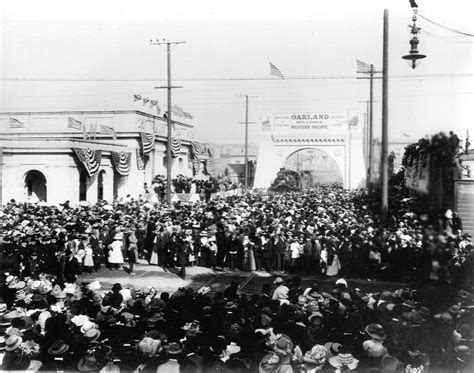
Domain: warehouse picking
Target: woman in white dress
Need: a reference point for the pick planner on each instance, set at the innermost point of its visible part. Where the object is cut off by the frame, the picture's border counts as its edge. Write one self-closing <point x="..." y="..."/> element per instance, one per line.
<point x="88" y="259"/>
<point x="115" y="251"/>
<point x="331" y="261"/>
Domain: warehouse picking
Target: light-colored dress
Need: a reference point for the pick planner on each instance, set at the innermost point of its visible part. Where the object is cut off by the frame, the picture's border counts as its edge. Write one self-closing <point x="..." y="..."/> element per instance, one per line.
<point x="115" y="253"/>
<point x="88" y="258"/>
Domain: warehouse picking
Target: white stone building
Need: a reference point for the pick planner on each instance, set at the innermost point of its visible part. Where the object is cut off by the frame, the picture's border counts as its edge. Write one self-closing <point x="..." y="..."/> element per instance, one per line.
<point x="37" y="162"/>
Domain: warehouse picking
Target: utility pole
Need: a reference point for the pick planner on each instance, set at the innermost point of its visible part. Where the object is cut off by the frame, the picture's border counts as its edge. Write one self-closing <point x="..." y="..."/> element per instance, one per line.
<point x="246" y="166"/>
<point x="168" y="87"/>
<point x="385" y="119"/>
<point x="370" y="114"/>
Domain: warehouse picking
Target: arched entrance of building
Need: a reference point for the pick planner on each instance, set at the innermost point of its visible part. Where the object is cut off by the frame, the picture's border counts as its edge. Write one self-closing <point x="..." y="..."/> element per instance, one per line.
<point x="83" y="186"/>
<point x="100" y="185"/>
<point x="314" y="166"/>
<point x="35" y="186"/>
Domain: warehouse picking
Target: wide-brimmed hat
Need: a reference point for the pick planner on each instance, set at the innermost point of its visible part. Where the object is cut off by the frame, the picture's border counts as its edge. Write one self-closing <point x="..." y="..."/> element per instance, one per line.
<point x="332" y="348"/>
<point x="341" y="360"/>
<point x="316" y="355"/>
<point x="58" y="293"/>
<point x="88" y="325"/>
<point x="88" y="363"/>
<point x="376" y="331"/>
<point x="414" y="316"/>
<point x="92" y="334"/>
<point x="390" y="364"/>
<point x="13" y="342"/>
<point x="80" y="320"/>
<point x="118" y="236"/>
<point x="149" y="346"/>
<point x="12" y="315"/>
<point x="173" y="349"/>
<point x="117" y="286"/>
<point x="58" y="348"/>
<point x="278" y="280"/>
<point x="315" y="315"/>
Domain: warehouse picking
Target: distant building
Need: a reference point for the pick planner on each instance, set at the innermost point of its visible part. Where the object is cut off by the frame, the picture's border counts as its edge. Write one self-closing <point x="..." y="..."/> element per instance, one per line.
<point x="229" y="160"/>
<point x="40" y="154"/>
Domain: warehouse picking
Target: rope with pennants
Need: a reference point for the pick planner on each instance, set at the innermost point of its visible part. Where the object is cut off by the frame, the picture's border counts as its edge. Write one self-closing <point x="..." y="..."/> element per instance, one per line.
<point x="175" y="147"/>
<point x="90" y="159"/>
<point x="121" y="162"/>
<point x="148" y="140"/>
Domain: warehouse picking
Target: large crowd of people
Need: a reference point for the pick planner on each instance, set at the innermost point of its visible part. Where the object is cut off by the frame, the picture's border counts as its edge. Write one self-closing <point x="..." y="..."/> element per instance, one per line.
<point x="49" y="320"/>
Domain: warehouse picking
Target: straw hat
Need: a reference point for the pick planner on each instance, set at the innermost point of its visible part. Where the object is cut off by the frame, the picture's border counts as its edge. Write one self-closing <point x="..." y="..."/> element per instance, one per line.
<point x="92" y="334"/>
<point x="173" y="349"/>
<point x="13" y="342"/>
<point x="341" y="360"/>
<point x="376" y="331"/>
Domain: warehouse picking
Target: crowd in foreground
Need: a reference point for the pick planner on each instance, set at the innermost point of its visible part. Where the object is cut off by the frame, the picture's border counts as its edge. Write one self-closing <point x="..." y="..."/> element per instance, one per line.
<point x="49" y="325"/>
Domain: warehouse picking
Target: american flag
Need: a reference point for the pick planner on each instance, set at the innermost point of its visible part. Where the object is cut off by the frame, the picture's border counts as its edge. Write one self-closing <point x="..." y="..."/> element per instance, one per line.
<point x="148" y="140"/>
<point x="108" y="130"/>
<point x="121" y="162"/>
<point x="275" y="71"/>
<point x="363" y="67"/>
<point x="15" y="123"/>
<point x="90" y="159"/>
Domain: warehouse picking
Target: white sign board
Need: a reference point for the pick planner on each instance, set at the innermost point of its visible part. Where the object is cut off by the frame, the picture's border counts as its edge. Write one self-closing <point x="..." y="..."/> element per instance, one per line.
<point x="308" y="122"/>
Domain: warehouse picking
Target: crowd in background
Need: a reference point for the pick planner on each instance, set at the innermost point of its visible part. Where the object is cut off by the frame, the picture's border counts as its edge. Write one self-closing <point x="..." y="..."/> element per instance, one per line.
<point x="325" y="230"/>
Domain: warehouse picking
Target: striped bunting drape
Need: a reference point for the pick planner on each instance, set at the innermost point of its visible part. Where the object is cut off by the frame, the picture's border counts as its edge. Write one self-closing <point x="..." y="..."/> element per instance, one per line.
<point x="210" y="169"/>
<point x="175" y="147"/>
<point x="148" y="140"/>
<point x="197" y="149"/>
<point x="121" y="162"/>
<point x="90" y="159"/>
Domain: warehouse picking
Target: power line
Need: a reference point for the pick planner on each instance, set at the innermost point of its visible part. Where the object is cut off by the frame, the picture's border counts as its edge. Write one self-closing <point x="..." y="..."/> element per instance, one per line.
<point x="341" y="77"/>
<point x="446" y="27"/>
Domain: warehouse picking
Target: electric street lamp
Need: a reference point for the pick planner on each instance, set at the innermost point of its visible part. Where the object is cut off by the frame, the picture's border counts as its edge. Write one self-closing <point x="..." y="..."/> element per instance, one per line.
<point x="414" y="57"/>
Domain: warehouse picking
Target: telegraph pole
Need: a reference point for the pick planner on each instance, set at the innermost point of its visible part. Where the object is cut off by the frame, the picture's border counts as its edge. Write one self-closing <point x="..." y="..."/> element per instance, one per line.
<point x="246" y="177"/>
<point x="168" y="87"/>
<point x="385" y="119"/>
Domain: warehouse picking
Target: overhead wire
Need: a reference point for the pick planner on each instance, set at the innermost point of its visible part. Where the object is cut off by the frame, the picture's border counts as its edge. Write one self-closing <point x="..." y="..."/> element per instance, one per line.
<point x="445" y="27"/>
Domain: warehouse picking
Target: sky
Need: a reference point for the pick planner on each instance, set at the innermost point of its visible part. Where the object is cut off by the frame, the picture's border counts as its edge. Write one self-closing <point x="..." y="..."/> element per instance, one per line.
<point x="94" y="55"/>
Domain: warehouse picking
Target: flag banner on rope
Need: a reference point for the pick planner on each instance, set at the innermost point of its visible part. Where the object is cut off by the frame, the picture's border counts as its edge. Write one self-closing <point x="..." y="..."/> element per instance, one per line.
<point x="121" y="162"/>
<point x="148" y="140"/>
<point x="153" y="103"/>
<point x="176" y="110"/>
<point x="275" y="71"/>
<point x="90" y="159"/>
<point x="196" y="148"/>
<point x="140" y="161"/>
<point x="362" y="67"/>
<point x="210" y="167"/>
<point x="196" y="165"/>
<point x="74" y="123"/>
<point x="145" y="100"/>
<point x="108" y="130"/>
<point x="175" y="147"/>
<point x="136" y="98"/>
<point x="15" y="123"/>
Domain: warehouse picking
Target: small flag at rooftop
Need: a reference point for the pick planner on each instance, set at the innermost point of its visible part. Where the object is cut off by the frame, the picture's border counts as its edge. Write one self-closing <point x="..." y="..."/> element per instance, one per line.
<point x="74" y="123"/>
<point x="137" y="98"/>
<point x="275" y="71"/>
<point x="15" y="123"/>
<point x="363" y="67"/>
<point x="108" y="130"/>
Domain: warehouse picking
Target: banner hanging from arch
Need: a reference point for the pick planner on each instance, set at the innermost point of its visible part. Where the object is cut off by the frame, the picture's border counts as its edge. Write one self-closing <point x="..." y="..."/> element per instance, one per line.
<point x="90" y="159"/>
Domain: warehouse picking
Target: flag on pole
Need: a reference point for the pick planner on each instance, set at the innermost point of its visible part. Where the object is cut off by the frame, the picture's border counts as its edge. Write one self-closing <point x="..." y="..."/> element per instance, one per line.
<point x="275" y="71"/>
<point x="354" y="121"/>
<point x="176" y="110"/>
<point x="74" y="123"/>
<point x="362" y="67"/>
<point x="108" y="130"/>
<point x="136" y="98"/>
<point x="15" y="123"/>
